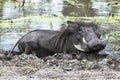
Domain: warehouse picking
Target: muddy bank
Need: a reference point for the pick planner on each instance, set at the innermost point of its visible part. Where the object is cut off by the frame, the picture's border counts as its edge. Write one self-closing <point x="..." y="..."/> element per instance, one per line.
<point x="60" y="67"/>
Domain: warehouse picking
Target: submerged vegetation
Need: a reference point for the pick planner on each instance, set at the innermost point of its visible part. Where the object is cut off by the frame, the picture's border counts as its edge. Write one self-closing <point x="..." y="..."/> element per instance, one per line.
<point x="24" y="22"/>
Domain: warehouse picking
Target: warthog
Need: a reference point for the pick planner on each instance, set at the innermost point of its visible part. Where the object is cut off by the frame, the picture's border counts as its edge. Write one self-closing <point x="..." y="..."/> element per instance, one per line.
<point x="78" y="36"/>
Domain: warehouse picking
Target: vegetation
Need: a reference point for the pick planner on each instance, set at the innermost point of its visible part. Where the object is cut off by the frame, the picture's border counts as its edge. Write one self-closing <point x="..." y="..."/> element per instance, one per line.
<point x="23" y="22"/>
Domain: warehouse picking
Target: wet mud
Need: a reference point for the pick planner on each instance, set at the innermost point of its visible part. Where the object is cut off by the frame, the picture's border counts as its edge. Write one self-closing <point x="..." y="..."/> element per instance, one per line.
<point x="60" y="66"/>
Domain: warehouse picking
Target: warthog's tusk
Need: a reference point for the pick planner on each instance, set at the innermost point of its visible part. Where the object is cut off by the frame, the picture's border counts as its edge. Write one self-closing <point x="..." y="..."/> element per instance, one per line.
<point x="79" y="47"/>
<point x="84" y="41"/>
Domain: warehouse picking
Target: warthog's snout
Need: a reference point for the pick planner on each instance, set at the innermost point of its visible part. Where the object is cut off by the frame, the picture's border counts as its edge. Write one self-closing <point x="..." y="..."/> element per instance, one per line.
<point x="97" y="45"/>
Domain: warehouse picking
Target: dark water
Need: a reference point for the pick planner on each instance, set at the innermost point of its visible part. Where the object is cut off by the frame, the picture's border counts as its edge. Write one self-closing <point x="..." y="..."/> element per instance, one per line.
<point x="68" y="8"/>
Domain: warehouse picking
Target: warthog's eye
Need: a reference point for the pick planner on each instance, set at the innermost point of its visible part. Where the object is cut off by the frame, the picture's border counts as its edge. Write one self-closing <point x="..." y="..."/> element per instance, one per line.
<point x="79" y="36"/>
<point x="96" y="27"/>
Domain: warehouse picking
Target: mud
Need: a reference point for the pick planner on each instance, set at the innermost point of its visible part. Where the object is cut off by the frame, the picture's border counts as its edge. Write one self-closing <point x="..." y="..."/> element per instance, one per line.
<point x="80" y="66"/>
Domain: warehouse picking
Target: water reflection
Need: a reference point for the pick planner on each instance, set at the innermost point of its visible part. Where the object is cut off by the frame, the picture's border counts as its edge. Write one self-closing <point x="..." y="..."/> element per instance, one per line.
<point x="7" y="40"/>
<point x="101" y="8"/>
<point x="12" y="9"/>
<point x="54" y="7"/>
<point x="104" y="8"/>
<point x="81" y="8"/>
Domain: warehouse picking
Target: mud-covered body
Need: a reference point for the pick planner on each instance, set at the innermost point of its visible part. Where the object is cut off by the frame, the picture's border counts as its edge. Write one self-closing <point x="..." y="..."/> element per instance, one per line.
<point x="76" y="37"/>
<point x="44" y="42"/>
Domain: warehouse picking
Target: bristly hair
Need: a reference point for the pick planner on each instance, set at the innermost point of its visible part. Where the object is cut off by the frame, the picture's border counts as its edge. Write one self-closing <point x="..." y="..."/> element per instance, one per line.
<point x="62" y="39"/>
<point x="87" y="24"/>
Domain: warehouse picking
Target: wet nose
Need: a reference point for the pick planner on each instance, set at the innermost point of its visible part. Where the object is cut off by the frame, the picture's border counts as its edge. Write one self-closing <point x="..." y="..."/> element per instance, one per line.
<point x="98" y="45"/>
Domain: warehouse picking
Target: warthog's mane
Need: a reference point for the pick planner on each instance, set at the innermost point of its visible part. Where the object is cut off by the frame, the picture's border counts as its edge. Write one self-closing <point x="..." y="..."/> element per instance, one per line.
<point x="87" y="24"/>
<point x="62" y="39"/>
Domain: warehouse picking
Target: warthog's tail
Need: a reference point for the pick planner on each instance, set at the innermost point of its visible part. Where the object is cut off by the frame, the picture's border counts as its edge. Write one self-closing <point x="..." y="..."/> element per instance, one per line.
<point x="10" y="54"/>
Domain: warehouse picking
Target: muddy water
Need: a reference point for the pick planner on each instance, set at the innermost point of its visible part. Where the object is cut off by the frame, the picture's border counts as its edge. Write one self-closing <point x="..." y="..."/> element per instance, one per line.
<point x="85" y="8"/>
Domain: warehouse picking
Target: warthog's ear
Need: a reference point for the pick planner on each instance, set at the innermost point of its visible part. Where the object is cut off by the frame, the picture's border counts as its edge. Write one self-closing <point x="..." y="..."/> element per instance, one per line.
<point x="72" y="25"/>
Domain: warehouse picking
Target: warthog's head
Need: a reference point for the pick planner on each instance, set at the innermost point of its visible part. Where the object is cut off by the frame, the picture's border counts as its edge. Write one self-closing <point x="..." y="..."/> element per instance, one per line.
<point x="86" y="37"/>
